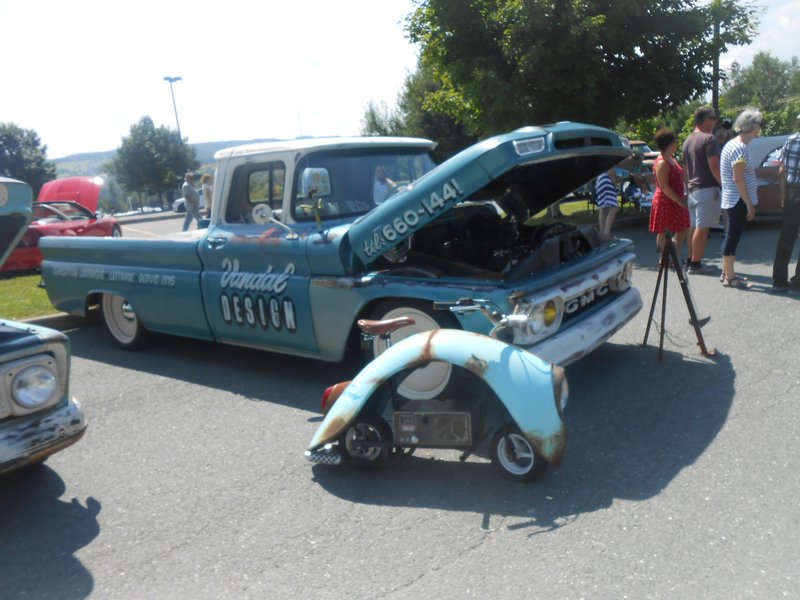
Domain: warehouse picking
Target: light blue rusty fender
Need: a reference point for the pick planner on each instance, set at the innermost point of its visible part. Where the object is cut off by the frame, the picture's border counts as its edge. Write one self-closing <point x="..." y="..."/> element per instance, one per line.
<point x="521" y="380"/>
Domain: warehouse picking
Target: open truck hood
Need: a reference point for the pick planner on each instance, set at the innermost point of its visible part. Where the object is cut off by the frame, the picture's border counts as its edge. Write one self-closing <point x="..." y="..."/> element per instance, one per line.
<point x="83" y="190"/>
<point x="547" y="162"/>
<point x="15" y="213"/>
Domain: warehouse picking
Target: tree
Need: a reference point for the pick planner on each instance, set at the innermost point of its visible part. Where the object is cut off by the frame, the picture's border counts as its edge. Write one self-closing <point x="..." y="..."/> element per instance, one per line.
<point x="500" y="64"/>
<point x="731" y="24"/>
<point x="23" y="157"/>
<point x="423" y="118"/>
<point x="766" y="83"/>
<point x="152" y="160"/>
<point x="415" y="117"/>
<point x="379" y="119"/>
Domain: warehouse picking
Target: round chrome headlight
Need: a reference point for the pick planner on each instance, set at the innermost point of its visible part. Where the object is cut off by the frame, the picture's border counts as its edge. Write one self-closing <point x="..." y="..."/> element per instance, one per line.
<point x="34" y="387"/>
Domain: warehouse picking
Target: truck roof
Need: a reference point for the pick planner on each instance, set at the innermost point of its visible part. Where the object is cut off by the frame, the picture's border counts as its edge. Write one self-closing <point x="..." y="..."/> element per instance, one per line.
<point x="324" y="143"/>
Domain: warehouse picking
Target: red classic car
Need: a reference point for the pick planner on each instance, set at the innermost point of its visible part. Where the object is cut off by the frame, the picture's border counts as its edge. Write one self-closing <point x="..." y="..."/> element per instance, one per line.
<point x="65" y="208"/>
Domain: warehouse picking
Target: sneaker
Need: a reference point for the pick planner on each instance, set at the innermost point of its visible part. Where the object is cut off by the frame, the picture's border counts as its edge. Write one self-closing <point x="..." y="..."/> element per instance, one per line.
<point x="696" y="267"/>
<point x="779" y="288"/>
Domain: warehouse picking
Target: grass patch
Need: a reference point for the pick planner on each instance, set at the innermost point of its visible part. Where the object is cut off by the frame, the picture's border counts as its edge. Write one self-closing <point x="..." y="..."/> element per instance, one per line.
<point x="22" y="298"/>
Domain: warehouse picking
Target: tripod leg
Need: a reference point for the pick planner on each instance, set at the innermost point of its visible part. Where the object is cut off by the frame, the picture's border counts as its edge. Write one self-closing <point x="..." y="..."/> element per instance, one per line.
<point x="668" y="246"/>
<point x="661" y="273"/>
<point x="687" y="296"/>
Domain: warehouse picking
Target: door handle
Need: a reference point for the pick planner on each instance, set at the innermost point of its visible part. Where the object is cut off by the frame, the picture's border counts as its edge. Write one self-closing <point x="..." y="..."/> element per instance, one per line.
<point x="216" y="243"/>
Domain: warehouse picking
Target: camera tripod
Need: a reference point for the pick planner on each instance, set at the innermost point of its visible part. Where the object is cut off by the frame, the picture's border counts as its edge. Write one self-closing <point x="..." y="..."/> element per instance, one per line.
<point x="669" y="254"/>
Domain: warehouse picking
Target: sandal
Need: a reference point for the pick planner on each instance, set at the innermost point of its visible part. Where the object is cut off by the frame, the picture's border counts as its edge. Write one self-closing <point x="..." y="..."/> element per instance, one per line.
<point x="737" y="282"/>
<point x="742" y="277"/>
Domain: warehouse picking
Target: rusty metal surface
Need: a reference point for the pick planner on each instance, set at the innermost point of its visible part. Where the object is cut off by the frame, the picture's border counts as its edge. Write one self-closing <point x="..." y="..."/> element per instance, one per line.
<point x="520" y="380"/>
<point x="34" y="438"/>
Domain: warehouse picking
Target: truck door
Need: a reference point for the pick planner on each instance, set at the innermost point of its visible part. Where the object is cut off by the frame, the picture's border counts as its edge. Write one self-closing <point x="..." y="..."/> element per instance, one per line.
<point x="255" y="276"/>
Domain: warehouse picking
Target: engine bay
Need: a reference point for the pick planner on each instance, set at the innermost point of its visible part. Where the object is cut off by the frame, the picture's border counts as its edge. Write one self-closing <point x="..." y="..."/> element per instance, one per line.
<point x="490" y="237"/>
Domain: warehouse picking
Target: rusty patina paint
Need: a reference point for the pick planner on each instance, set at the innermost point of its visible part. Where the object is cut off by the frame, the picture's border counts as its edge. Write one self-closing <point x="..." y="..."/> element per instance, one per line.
<point x="476" y="365"/>
<point x="334" y="428"/>
<point x="337" y="283"/>
<point x="552" y="448"/>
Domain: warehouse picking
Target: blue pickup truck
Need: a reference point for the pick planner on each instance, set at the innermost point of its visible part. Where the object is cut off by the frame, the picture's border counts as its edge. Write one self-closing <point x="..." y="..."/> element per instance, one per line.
<point x="308" y="236"/>
<point x="37" y="415"/>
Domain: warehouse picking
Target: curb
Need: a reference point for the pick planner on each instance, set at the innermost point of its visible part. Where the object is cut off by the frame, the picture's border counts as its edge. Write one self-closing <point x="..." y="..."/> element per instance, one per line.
<point x="58" y="321"/>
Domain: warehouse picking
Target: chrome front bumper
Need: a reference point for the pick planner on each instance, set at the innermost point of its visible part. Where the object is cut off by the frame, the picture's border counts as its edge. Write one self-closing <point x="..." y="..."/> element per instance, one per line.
<point x="581" y="338"/>
<point x="30" y="439"/>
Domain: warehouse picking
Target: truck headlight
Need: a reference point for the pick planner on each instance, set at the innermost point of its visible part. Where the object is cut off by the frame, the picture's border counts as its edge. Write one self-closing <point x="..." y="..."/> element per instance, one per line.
<point x="34" y="386"/>
<point x="543" y="318"/>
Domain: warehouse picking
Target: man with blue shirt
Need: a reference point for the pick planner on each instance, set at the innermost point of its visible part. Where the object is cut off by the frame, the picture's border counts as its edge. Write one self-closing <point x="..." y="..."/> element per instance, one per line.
<point x="789" y="176"/>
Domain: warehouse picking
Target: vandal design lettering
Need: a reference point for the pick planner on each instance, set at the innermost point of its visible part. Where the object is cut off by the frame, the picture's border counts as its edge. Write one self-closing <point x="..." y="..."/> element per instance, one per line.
<point x="266" y="312"/>
<point x="267" y="281"/>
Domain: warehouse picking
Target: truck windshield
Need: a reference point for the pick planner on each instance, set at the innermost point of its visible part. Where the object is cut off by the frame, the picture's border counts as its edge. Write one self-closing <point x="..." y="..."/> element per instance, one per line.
<point x="335" y="184"/>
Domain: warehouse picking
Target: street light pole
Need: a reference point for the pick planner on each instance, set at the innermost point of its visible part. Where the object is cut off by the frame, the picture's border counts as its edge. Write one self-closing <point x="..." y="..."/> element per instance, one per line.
<point x="172" y="80"/>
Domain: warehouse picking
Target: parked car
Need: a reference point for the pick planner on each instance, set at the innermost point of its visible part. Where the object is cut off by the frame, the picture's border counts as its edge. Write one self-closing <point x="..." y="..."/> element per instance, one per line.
<point x="37" y="415"/>
<point x="764" y="152"/>
<point x="179" y="206"/>
<point x="58" y="218"/>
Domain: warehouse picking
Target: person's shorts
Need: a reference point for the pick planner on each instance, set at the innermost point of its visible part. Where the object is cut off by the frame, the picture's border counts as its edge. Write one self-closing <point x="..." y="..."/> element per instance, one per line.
<point x="704" y="207"/>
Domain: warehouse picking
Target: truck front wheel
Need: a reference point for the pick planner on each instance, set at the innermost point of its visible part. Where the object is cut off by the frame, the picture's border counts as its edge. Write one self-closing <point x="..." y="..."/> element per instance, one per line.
<point x="122" y="322"/>
<point x="429" y="381"/>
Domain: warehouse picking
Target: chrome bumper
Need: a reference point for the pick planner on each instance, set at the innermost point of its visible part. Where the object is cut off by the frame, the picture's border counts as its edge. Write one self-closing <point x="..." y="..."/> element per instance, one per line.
<point x="33" y="438"/>
<point x="581" y="338"/>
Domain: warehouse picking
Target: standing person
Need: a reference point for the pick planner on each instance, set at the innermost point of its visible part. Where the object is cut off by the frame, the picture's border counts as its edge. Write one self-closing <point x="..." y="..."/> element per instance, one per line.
<point x="192" y="201"/>
<point x="208" y="191"/>
<point x="789" y="174"/>
<point x="669" y="211"/>
<point x="739" y="191"/>
<point x="606" y="194"/>
<point x="701" y="159"/>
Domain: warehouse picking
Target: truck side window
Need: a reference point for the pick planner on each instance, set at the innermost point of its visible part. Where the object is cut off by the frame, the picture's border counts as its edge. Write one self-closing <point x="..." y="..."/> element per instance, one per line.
<point x="256" y="184"/>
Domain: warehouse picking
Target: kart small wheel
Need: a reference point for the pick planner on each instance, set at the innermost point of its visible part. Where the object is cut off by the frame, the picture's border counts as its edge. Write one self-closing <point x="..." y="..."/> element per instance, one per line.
<point x="116" y="232"/>
<point x="122" y="322"/>
<point x="517" y="460"/>
<point x="364" y="430"/>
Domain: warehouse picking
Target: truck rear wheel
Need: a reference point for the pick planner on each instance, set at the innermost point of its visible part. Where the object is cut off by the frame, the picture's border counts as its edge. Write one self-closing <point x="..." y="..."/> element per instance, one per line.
<point x="122" y="322"/>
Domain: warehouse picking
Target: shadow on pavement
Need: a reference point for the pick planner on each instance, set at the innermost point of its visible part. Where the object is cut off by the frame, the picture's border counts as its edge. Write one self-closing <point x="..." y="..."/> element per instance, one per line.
<point x="633" y="423"/>
<point x="34" y="518"/>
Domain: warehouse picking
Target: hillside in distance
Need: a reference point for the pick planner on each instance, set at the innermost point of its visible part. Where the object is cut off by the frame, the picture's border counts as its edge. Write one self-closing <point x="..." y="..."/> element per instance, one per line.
<point x="92" y="163"/>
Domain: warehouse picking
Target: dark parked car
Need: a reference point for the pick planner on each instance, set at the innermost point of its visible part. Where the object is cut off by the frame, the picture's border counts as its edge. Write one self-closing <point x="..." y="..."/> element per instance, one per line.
<point x="37" y="415"/>
<point x="764" y="151"/>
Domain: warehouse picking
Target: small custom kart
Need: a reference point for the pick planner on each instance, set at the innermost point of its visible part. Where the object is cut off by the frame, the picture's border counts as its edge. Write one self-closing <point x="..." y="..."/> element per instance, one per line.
<point x="502" y="393"/>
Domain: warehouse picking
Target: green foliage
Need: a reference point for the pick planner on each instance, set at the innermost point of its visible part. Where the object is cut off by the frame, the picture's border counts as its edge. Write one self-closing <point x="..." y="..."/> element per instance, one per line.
<point x="378" y="119"/>
<point x="730" y="23"/>
<point x="500" y="64"/>
<point x="23" y="157"/>
<point x="152" y="160"/>
<point x="418" y="115"/>
<point x="766" y="83"/>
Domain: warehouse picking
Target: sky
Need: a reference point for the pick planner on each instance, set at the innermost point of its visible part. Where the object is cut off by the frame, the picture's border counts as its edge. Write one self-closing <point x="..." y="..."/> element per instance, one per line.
<point x="80" y="73"/>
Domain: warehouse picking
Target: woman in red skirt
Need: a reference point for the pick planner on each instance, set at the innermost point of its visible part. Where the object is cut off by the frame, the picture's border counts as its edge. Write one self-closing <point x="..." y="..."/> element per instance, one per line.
<point x="670" y="208"/>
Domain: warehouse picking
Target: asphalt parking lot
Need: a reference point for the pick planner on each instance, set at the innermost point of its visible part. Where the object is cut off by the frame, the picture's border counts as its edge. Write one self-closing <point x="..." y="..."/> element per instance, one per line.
<point x="679" y="479"/>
